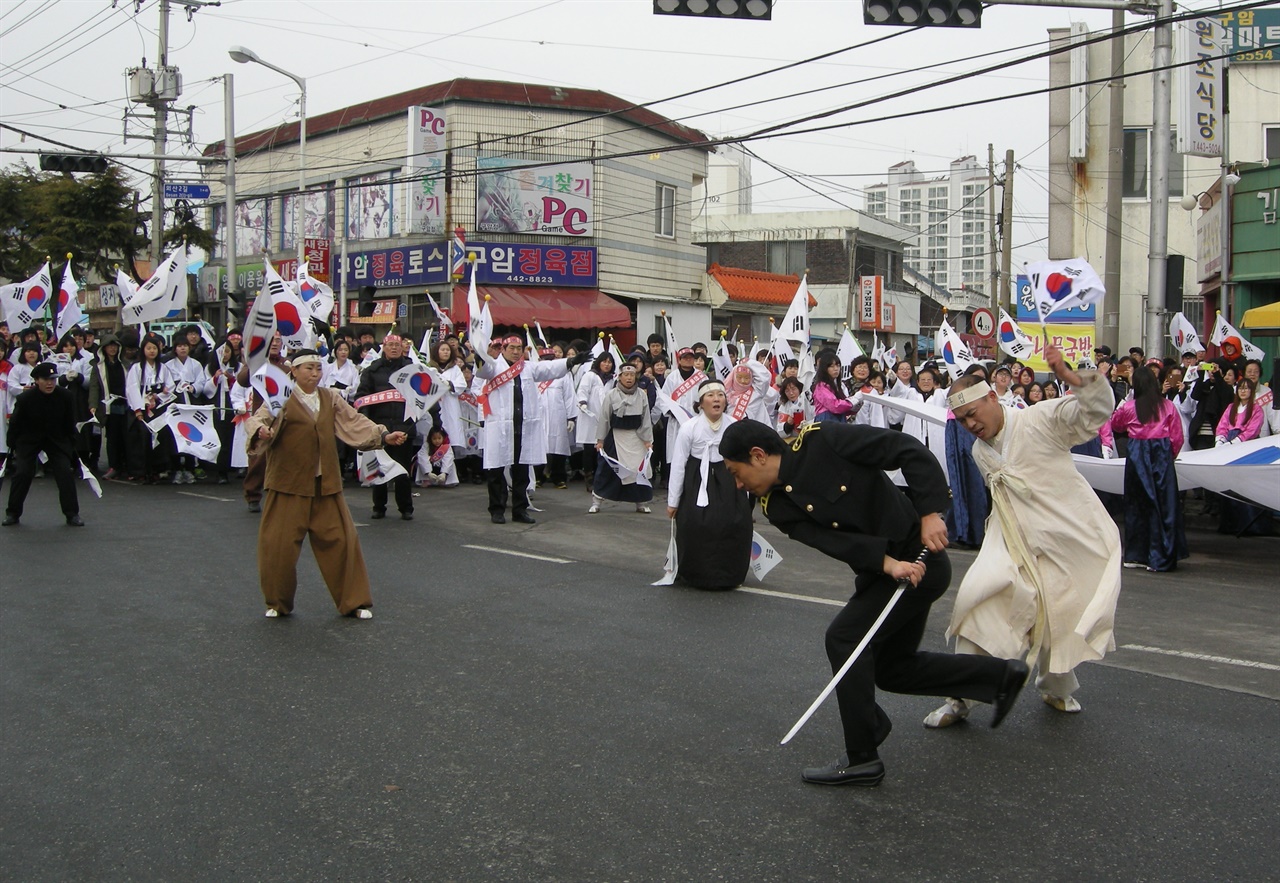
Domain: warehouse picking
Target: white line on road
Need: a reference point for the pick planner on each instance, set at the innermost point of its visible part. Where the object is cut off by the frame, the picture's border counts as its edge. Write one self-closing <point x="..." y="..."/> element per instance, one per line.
<point x="205" y="496"/>
<point x="1203" y="657"/>
<point x="519" y="554"/>
<point x="790" y="597"/>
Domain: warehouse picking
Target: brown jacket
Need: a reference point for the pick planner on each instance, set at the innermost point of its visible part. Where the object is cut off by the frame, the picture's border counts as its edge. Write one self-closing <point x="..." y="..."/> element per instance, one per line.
<point x="302" y="443"/>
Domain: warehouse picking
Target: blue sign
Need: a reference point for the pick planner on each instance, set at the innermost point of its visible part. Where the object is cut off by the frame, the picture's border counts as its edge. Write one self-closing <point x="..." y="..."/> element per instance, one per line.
<point x="1072" y="316"/>
<point x="186" y="191"/>
<point x="395" y="267"/>
<point x="508" y="263"/>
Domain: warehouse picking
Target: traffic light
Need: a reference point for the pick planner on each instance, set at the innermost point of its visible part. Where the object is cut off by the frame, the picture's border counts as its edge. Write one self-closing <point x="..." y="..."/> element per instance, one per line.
<point x="237" y="306"/>
<point x="759" y="10"/>
<point x="923" y="13"/>
<point x="365" y="301"/>
<point x="73" y="162"/>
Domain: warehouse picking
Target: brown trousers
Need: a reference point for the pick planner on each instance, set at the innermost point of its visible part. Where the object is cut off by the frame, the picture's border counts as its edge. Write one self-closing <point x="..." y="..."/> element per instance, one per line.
<point x="286" y="520"/>
<point x="254" y="476"/>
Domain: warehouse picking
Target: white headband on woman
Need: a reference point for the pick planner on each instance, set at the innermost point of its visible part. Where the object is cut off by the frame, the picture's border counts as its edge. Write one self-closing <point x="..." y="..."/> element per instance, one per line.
<point x="710" y="388"/>
<point x="305" y="359"/>
<point x="968" y="395"/>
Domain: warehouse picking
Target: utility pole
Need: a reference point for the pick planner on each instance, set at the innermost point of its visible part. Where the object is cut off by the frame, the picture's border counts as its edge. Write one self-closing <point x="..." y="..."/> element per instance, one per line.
<point x="1157" y="259"/>
<point x="161" y="107"/>
<point x="1006" y="229"/>
<point x="1109" y="326"/>
<point x="229" y="211"/>
<point x="991" y="230"/>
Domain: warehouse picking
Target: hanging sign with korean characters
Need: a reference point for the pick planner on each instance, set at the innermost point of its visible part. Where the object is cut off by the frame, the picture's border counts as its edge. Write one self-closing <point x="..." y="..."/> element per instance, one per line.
<point x="1199" y="86"/>
<point x="425" y="164"/>
<point x="870" y="298"/>
<point x="549" y="200"/>
<point x="499" y="263"/>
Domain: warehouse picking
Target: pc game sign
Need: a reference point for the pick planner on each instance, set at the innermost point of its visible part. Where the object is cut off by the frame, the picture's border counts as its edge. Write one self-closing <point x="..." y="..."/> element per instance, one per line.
<point x="515" y="196"/>
<point x="425" y="170"/>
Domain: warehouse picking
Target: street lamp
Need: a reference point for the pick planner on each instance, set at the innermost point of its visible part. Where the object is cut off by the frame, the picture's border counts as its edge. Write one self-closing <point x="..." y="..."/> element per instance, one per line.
<point x="244" y="55"/>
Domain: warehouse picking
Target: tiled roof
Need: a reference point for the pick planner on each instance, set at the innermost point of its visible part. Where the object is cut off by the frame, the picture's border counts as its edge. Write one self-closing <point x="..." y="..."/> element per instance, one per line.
<point x="589" y="101"/>
<point x="753" y="286"/>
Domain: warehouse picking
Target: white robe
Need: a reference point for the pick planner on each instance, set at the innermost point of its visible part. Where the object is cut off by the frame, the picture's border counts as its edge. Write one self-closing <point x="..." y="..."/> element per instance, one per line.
<point x="590" y="393"/>
<point x="499" y="429"/>
<point x="932" y="435"/>
<point x="696" y="439"/>
<point x="240" y="401"/>
<point x="1047" y="577"/>
<point x="558" y="408"/>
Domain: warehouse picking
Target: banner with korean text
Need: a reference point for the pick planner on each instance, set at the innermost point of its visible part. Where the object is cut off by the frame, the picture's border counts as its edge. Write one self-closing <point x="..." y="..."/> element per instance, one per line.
<point x="512" y="196"/>
<point x="425" y="166"/>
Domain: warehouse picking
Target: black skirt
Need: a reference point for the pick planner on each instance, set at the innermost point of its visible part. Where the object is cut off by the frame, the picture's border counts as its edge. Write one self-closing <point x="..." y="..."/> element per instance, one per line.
<point x="714" y="541"/>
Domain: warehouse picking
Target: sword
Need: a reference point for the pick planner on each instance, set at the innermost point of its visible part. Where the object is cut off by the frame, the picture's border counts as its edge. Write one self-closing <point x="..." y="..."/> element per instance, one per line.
<point x="857" y="651"/>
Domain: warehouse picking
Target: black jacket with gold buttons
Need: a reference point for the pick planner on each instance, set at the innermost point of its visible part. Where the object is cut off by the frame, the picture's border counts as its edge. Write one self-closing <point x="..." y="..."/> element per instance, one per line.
<point x="833" y="493"/>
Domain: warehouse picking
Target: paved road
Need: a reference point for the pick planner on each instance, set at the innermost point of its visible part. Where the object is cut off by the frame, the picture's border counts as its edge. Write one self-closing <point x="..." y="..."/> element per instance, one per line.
<point x="519" y="718"/>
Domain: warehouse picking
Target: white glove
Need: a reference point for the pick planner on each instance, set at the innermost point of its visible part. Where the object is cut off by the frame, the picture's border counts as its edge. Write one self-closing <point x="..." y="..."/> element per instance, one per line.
<point x="1108" y="452"/>
<point x="582" y="406"/>
<point x="1220" y="441"/>
<point x="73" y="375"/>
<point x="570" y="424"/>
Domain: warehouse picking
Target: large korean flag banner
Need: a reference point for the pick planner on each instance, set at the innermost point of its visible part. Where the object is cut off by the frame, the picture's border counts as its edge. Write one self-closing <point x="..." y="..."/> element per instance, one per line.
<point x="163" y="296"/>
<point x="194" y="432"/>
<point x="24" y="302"/>
<point x="421" y="387"/>
<point x="293" y="320"/>
<point x="1232" y="342"/>
<point x="1060" y="285"/>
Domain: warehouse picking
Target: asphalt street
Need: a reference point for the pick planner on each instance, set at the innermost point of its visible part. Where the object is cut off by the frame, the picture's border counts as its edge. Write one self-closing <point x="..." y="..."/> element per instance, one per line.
<point x="526" y="706"/>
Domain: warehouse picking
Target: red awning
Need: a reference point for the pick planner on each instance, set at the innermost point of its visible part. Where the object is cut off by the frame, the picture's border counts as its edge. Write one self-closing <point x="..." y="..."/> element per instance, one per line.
<point x="553" y="307"/>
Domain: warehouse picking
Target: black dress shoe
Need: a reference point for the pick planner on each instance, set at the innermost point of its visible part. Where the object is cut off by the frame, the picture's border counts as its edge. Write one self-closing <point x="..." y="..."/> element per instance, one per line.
<point x="74" y="521"/>
<point x="378" y="513"/>
<point x="9" y="521"/>
<point x="406" y="516"/>
<point x="1015" y="676"/>
<point x="498" y="518"/>
<point x="523" y="518"/>
<point x="839" y="772"/>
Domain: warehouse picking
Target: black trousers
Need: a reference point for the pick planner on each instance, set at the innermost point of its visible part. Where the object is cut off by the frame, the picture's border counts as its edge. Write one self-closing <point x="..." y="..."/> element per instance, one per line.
<point x="519" y="475"/>
<point x="22" y="469"/>
<point x="115" y="434"/>
<point x="402" y="454"/>
<point x="893" y="660"/>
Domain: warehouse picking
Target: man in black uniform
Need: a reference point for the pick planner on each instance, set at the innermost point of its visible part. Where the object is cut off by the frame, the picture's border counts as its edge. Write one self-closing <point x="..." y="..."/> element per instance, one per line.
<point x="377" y="379"/>
<point x="43" y="420"/>
<point x="828" y="489"/>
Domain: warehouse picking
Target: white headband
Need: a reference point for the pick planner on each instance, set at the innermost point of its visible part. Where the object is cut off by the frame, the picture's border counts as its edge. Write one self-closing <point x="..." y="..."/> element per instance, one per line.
<point x="968" y="395"/>
<point x="710" y="388"/>
<point x="308" y="359"/>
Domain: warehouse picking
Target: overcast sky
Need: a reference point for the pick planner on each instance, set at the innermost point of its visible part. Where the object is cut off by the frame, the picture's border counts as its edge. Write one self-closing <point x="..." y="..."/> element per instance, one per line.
<point x="62" y="65"/>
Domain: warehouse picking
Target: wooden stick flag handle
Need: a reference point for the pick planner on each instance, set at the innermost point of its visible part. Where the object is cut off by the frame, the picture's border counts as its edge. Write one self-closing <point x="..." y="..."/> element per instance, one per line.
<point x="857" y="651"/>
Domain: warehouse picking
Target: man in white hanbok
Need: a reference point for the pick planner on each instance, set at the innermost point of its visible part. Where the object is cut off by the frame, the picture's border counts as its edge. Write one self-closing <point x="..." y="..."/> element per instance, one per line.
<point x="1047" y="578"/>
<point x="513" y="434"/>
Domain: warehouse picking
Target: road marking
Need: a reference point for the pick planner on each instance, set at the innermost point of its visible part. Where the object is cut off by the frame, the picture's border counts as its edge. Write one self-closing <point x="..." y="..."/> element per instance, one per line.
<point x="790" y="597"/>
<point x="204" y="496"/>
<point x="1203" y="657"/>
<point x="520" y="554"/>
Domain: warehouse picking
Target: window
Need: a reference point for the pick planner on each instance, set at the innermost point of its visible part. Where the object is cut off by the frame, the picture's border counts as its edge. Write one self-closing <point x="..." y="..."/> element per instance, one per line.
<point x="785" y="258"/>
<point x="876" y="203"/>
<point x="1271" y="142"/>
<point x="1137" y="165"/>
<point x="664" y="214"/>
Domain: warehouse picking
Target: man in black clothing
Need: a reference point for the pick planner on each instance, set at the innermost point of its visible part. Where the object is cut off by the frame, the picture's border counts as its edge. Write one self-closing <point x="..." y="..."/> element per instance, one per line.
<point x="43" y="420"/>
<point x="828" y="489"/>
<point x="390" y="413"/>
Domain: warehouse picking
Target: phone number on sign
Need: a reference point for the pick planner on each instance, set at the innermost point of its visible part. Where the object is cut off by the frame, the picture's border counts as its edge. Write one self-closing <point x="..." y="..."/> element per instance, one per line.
<point x="532" y="280"/>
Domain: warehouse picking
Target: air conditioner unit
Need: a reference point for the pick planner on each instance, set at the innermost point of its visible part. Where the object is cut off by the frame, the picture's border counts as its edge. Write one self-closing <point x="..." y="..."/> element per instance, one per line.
<point x="142" y="84"/>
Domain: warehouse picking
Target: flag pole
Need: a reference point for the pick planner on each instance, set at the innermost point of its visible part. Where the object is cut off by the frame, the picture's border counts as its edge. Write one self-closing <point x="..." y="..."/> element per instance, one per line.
<point x="903" y="584"/>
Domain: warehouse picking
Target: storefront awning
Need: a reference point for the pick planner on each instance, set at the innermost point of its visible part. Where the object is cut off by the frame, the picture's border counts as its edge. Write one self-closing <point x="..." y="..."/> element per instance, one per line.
<point x="552" y="307"/>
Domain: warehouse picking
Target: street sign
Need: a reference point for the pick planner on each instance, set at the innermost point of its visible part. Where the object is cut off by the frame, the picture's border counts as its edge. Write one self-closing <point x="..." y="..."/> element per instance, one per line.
<point x="186" y="191"/>
<point x="983" y="323"/>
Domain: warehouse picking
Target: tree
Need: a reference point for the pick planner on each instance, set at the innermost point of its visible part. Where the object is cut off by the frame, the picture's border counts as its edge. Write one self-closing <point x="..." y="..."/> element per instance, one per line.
<point x="95" y="217"/>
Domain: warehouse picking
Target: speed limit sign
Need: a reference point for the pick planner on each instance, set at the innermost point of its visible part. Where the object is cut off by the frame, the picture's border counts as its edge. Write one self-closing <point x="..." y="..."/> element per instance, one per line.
<point x="983" y="323"/>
